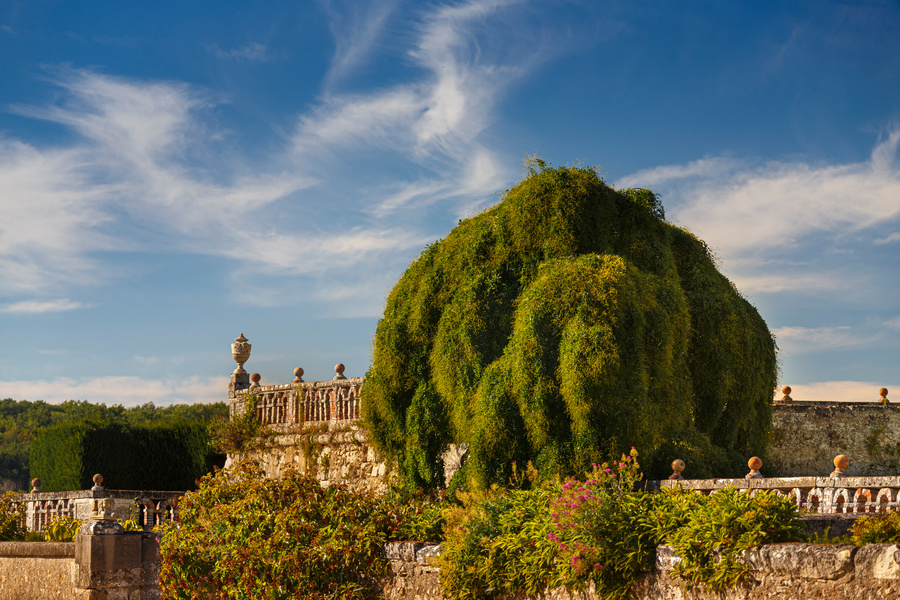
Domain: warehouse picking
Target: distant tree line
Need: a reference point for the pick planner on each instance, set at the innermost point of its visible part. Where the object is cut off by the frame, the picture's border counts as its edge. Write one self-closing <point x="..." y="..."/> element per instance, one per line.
<point x="21" y="421"/>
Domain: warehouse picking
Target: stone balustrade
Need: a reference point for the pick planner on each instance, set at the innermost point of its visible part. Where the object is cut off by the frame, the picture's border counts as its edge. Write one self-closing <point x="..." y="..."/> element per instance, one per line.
<point x="147" y="508"/>
<point x="294" y="404"/>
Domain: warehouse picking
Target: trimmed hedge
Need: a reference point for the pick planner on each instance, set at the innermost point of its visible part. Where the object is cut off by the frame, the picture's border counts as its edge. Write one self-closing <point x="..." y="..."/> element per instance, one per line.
<point x="170" y="456"/>
<point x="567" y="323"/>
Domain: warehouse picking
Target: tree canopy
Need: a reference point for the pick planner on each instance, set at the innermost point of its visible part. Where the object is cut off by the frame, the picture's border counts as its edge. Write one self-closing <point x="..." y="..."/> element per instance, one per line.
<point x="565" y="324"/>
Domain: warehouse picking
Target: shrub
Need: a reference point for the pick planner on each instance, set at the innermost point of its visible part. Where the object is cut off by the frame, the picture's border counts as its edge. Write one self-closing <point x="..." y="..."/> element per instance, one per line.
<point x="241" y="433"/>
<point x="560" y="326"/>
<point x="723" y="526"/>
<point x="498" y="543"/>
<point x="244" y="536"/>
<point x="62" y="529"/>
<point x="12" y="515"/>
<point x="879" y="529"/>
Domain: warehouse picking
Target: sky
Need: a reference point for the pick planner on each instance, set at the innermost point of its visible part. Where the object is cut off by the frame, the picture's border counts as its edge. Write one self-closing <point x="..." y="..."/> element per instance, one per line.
<point x="174" y="174"/>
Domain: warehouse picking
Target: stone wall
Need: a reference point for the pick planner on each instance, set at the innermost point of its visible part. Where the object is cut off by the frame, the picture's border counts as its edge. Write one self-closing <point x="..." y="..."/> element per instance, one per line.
<point x="335" y="452"/>
<point x="806" y="436"/>
<point x="783" y="571"/>
<point x="102" y="565"/>
<point x="37" y="570"/>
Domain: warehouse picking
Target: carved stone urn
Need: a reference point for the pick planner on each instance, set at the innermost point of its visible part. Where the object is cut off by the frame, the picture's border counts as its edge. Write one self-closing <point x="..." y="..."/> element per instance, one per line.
<point x="240" y="352"/>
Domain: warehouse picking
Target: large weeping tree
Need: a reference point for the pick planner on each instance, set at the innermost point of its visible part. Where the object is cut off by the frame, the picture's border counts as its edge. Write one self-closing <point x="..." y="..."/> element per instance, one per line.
<point x="566" y="323"/>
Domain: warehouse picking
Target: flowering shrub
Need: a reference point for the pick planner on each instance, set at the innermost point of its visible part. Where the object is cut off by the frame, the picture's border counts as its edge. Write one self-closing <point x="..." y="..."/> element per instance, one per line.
<point x="880" y="529"/>
<point x="603" y="528"/>
<point x="242" y="536"/>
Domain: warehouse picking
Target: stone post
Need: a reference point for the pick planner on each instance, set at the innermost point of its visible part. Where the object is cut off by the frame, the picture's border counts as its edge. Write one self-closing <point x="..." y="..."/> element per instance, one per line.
<point x="111" y="564"/>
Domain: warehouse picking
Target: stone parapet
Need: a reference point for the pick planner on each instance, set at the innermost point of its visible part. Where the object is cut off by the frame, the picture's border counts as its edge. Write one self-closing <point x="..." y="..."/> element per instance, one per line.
<point x="806" y="435"/>
<point x="783" y="571"/>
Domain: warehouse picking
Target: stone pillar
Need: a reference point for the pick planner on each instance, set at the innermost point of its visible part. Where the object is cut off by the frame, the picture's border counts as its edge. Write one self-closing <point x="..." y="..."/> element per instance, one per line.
<point x="111" y="564"/>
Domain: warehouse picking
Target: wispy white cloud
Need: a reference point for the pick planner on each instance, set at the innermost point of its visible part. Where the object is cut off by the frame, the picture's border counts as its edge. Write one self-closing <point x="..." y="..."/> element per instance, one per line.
<point x="792" y="211"/>
<point x="889" y="239"/>
<point x="124" y="390"/>
<point x="836" y="391"/>
<point x="33" y="307"/>
<point x="893" y="323"/>
<point x="815" y="339"/>
<point x="252" y="52"/>
<point x="356" y="28"/>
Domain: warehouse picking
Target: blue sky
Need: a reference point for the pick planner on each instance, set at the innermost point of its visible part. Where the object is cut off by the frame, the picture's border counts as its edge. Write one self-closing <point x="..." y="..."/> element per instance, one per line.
<point x="173" y="174"/>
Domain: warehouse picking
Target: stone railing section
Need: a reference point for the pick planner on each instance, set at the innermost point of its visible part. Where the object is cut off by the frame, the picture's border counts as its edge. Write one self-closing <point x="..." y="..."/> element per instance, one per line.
<point x="817" y="495"/>
<point x="805" y="435"/>
<point x="147" y="508"/>
<point x="294" y="404"/>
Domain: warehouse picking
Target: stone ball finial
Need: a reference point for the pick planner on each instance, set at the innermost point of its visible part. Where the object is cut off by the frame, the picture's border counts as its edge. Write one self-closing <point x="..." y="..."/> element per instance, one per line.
<point x="840" y="463"/>
<point x="883" y="392"/>
<point x="677" y="469"/>
<point x="339" y="372"/>
<point x="755" y="463"/>
<point x="298" y="375"/>
<point x="35" y="485"/>
<point x="98" y="482"/>
<point x="786" y="390"/>
<point x="255" y="379"/>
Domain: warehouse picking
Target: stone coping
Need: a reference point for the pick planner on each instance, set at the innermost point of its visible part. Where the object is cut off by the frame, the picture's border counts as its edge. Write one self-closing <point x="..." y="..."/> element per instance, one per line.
<point x="38" y="549"/>
<point x="104" y="493"/>
<point x="306" y="385"/>
<point x="779" y="483"/>
<point x="850" y="406"/>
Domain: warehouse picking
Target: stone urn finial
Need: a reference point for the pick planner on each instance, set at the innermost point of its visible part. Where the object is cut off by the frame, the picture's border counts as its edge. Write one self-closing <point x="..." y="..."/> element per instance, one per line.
<point x="35" y="485"/>
<point x="255" y="379"/>
<point x="840" y="463"/>
<point x="677" y="469"/>
<point x="883" y="392"/>
<point x="240" y="352"/>
<point x="98" y="481"/>
<point x="755" y="463"/>
<point x="339" y="372"/>
<point x="786" y="390"/>
<point x="298" y="375"/>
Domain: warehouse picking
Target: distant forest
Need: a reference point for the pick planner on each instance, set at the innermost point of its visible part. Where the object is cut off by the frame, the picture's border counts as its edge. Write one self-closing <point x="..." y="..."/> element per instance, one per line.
<point x="21" y="419"/>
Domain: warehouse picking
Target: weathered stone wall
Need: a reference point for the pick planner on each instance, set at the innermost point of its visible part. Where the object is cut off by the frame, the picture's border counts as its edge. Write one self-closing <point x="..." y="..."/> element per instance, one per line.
<point x="806" y="436"/>
<point x="783" y="571"/>
<point x="36" y="571"/>
<point x="334" y="452"/>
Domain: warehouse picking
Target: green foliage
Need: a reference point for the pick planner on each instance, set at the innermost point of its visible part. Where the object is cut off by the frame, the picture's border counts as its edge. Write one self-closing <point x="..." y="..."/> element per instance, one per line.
<point x="723" y="527"/>
<point x="243" y="536"/>
<point x="62" y="529"/>
<point x="161" y="456"/>
<point x="879" y="529"/>
<point x="11" y="517"/>
<point x="242" y="433"/>
<point x="21" y="420"/>
<point x="562" y="325"/>
<point x="498" y="543"/>
<point x="509" y="541"/>
<point x="418" y="516"/>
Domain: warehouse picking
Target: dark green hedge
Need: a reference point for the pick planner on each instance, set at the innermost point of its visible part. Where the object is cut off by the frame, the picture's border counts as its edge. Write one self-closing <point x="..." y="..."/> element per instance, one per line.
<point x="563" y="325"/>
<point x="168" y="456"/>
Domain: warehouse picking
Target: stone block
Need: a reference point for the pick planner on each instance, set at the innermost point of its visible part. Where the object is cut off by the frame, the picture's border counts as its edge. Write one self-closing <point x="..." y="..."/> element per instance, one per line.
<point x="108" y="561"/>
<point x="878" y="561"/>
<point x="805" y="561"/>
